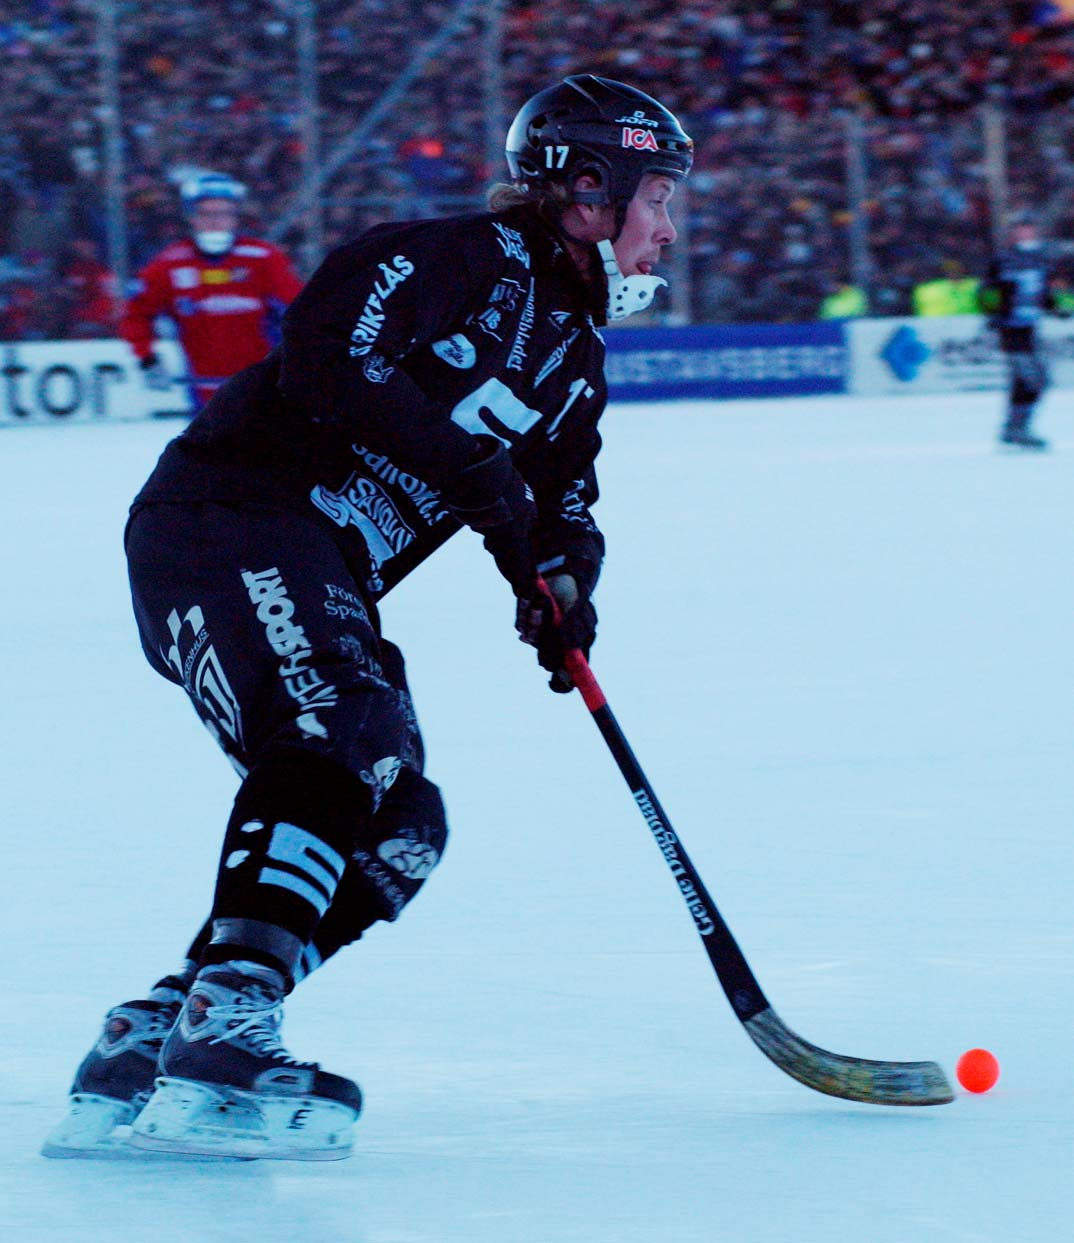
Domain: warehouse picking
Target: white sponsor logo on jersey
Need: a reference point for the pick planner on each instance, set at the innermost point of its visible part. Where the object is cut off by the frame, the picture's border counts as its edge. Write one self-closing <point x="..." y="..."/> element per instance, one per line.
<point x="364" y="504"/>
<point x="504" y="298"/>
<point x="511" y="243"/>
<point x="516" y="360"/>
<point x="185" y="278"/>
<point x="229" y="304"/>
<point x="371" y="320"/>
<point x="426" y="500"/>
<point x="377" y="370"/>
<point x="555" y="359"/>
<point x="456" y="351"/>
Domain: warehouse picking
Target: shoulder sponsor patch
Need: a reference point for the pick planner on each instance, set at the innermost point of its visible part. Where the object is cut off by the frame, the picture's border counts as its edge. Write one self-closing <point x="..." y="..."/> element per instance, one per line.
<point x="511" y="243"/>
<point x="456" y="351"/>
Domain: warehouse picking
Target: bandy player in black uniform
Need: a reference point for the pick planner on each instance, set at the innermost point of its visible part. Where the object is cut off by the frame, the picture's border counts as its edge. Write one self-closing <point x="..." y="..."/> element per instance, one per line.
<point x="432" y="375"/>
<point x="1015" y="294"/>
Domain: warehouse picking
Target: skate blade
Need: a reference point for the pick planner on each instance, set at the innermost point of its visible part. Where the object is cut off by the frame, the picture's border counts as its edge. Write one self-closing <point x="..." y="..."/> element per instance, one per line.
<point x="97" y="1128"/>
<point x="209" y="1120"/>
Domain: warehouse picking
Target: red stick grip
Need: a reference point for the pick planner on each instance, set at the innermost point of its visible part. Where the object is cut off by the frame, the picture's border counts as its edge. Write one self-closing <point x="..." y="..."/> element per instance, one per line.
<point x="582" y="677"/>
<point x="577" y="665"/>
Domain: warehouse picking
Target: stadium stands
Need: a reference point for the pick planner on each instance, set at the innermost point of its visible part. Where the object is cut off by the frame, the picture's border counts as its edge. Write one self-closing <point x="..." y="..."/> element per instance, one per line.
<point x="763" y="89"/>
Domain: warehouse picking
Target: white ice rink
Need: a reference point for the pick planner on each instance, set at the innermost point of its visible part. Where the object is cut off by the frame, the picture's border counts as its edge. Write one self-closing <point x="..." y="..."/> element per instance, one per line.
<point x="840" y="637"/>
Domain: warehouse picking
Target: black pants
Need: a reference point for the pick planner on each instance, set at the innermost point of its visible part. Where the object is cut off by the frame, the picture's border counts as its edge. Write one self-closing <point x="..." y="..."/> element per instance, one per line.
<point x="1027" y="370"/>
<point x="257" y="615"/>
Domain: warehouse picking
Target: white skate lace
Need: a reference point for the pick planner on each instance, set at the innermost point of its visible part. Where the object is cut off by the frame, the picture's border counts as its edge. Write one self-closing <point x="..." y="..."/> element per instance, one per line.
<point x="258" y="1025"/>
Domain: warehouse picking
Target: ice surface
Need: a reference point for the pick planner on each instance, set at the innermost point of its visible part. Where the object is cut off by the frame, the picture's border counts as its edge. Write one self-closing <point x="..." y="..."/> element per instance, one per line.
<point x="840" y="637"/>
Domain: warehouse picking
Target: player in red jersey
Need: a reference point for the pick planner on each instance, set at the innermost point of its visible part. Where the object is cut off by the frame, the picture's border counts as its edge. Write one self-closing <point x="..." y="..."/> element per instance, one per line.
<point x="225" y="292"/>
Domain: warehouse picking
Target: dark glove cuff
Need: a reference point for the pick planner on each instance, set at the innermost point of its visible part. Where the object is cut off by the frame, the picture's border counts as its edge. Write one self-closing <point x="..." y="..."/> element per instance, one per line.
<point x="578" y="627"/>
<point x="482" y="483"/>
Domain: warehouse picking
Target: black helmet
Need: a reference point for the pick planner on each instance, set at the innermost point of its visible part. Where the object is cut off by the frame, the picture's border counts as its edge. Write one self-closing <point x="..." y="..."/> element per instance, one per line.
<point x="593" y="125"/>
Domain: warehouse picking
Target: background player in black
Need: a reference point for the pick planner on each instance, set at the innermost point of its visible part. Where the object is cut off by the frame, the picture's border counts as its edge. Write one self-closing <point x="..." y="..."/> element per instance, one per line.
<point x="1018" y="290"/>
<point x="432" y="375"/>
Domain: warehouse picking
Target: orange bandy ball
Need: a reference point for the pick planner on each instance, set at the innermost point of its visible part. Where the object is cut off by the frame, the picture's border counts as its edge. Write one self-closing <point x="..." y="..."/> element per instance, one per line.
<point x="977" y="1070"/>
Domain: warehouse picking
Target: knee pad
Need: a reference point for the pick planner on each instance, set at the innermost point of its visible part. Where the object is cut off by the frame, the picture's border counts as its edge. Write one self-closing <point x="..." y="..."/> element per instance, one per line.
<point x="397" y="850"/>
<point x="372" y="731"/>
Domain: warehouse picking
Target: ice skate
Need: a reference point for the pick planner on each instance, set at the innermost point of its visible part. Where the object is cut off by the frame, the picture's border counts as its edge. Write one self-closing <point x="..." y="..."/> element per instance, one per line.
<point x="115" y="1078"/>
<point x="228" y="1087"/>
<point x="1022" y="438"/>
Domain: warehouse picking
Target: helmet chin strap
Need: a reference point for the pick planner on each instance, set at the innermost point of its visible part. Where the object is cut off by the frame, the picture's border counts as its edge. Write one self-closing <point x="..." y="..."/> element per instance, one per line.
<point x="626" y="294"/>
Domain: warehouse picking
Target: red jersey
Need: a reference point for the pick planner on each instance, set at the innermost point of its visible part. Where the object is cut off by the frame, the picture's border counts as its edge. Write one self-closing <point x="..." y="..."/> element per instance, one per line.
<point x="224" y="306"/>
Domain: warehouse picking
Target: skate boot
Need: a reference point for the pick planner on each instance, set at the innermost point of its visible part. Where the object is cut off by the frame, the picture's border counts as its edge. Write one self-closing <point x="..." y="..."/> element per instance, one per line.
<point x="1021" y="438"/>
<point x="226" y="1086"/>
<point x="116" y="1077"/>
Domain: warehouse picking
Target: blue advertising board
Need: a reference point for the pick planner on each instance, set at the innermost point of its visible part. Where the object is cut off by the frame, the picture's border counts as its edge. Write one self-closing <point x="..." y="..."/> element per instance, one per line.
<point x="726" y="360"/>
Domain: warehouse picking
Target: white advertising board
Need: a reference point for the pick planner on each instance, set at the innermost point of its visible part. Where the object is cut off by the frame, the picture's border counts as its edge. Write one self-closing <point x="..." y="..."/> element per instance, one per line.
<point x="50" y="382"/>
<point x="943" y="355"/>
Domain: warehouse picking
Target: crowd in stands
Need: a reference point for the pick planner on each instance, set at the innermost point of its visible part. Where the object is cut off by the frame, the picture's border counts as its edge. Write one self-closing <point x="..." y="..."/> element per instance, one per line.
<point x="766" y="90"/>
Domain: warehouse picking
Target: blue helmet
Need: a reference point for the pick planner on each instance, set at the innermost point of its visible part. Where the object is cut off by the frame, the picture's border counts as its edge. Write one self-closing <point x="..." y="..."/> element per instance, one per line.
<point x="211" y="186"/>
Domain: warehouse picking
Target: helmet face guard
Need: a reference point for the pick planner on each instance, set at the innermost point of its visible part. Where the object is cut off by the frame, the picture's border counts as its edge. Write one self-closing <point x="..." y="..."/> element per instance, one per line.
<point x="591" y="125"/>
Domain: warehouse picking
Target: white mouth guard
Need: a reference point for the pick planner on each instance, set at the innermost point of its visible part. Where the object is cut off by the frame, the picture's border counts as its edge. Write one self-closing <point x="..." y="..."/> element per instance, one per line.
<point x="626" y="294"/>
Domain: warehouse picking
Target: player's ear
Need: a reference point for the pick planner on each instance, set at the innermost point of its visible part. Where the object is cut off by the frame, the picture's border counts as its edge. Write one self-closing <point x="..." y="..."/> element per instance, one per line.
<point x="588" y="182"/>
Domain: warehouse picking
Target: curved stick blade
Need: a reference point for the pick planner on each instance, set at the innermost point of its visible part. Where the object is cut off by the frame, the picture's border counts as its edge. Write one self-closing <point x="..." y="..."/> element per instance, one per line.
<point x="852" y="1078"/>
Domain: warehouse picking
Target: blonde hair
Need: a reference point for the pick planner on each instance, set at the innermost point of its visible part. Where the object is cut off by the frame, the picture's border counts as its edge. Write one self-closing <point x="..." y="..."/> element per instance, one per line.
<point x="550" y="197"/>
<point x="503" y="195"/>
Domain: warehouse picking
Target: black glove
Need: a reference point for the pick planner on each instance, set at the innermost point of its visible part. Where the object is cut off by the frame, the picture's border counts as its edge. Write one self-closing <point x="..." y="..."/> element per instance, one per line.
<point x="491" y="496"/>
<point x="155" y="373"/>
<point x="536" y="625"/>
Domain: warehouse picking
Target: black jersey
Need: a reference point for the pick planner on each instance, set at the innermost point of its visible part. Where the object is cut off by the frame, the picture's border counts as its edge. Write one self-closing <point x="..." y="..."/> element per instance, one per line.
<point x="1017" y="289"/>
<point x="405" y="345"/>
